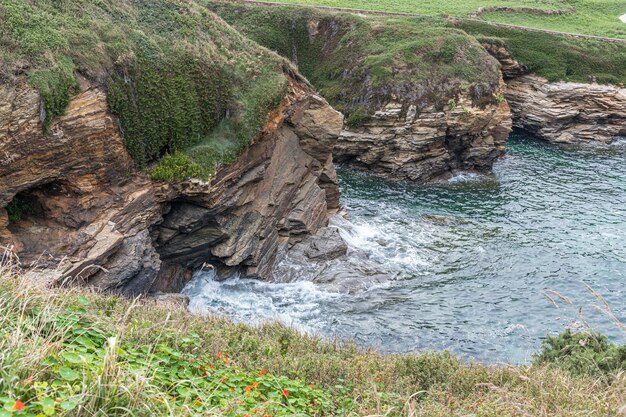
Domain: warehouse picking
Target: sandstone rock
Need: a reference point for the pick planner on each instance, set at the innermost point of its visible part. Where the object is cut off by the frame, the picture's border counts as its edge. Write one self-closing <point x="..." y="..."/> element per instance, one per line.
<point x="405" y="144"/>
<point x="99" y="222"/>
<point x="510" y="67"/>
<point x="565" y="112"/>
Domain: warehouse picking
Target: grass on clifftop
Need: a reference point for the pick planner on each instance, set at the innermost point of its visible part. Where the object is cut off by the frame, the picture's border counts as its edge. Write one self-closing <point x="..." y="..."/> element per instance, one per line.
<point x="558" y="57"/>
<point x="174" y="71"/>
<point x="361" y="63"/>
<point x="590" y="17"/>
<point x="76" y="353"/>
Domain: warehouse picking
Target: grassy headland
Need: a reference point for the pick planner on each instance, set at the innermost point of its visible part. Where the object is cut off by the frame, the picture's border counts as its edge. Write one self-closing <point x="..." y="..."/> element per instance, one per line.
<point x="597" y="17"/>
<point x="428" y="50"/>
<point x="360" y="63"/>
<point x="77" y="353"/>
<point x="179" y="78"/>
<point x="557" y="57"/>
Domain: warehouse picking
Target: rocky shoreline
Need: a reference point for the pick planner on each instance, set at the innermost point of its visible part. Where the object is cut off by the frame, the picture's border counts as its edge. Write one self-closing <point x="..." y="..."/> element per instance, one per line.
<point x="124" y="233"/>
<point x="107" y="225"/>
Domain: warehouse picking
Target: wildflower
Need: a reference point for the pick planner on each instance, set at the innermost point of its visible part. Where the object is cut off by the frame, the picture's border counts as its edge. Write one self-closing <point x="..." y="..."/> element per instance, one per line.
<point x="311" y="386"/>
<point x="227" y="361"/>
<point x="286" y="393"/>
<point x="251" y="387"/>
<point x="18" y="406"/>
<point x="262" y="372"/>
<point x="239" y="402"/>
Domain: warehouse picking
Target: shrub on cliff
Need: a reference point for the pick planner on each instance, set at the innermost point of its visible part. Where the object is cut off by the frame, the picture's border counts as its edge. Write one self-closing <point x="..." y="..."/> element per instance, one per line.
<point x="586" y="353"/>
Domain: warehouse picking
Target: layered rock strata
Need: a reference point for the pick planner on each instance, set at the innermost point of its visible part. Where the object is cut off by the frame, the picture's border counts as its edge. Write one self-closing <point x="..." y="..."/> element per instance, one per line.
<point x="561" y="112"/>
<point x="86" y="215"/>
<point x="565" y="112"/>
<point x="401" y="143"/>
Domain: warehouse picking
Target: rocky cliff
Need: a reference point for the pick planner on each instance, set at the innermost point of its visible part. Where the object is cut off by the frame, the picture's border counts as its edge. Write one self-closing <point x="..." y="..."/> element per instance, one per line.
<point x="74" y="205"/>
<point x="432" y="144"/>
<point x="565" y="112"/>
<point x="561" y="112"/>
<point x="422" y="100"/>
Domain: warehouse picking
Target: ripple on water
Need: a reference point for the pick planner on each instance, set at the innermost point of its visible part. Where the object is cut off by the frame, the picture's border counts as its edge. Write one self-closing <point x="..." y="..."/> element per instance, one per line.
<point x="465" y="263"/>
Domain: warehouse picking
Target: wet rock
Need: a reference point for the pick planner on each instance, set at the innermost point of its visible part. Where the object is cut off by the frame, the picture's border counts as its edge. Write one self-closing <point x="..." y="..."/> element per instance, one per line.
<point x="326" y="245"/>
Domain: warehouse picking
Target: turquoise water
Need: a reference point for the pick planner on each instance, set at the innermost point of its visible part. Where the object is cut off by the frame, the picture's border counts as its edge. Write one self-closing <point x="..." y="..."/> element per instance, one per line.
<point x="473" y="265"/>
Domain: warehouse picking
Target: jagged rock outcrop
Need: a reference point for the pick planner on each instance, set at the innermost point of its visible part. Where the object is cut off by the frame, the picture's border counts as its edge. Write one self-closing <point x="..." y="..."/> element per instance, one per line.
<point x="418" y="110"/>
<point x="88" y="216"/>
<point x="404" y="144"/>
<point x="509" y="66"/>
<point x="565" y="112"/>
<point x="561" y="112"/>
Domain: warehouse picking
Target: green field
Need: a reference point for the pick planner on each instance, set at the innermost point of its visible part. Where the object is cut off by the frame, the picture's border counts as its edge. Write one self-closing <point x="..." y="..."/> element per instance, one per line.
<point x="590" y="17"/>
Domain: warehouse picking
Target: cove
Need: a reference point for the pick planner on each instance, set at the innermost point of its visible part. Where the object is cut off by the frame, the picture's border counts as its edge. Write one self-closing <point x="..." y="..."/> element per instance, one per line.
<point x="464" y="266"/>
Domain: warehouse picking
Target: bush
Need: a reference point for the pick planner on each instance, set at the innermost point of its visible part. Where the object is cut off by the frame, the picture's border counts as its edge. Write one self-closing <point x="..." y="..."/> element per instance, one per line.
<point x="586" y="353"/>
<point x="357" y="116"/>
<point x="175" y="167"/>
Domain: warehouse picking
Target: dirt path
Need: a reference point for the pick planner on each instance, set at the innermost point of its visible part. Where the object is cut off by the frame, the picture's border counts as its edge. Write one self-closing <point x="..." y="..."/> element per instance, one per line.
<point x="375" y="12"/>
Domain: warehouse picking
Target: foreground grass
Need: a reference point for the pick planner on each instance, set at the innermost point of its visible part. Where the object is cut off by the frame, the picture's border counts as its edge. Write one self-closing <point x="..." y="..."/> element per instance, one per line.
<point x="590" y="17"/>
<point x="81" y="354"/>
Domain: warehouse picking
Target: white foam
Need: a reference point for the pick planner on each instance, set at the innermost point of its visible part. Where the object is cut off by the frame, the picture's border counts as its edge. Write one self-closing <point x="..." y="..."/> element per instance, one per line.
<point x="297" y="304"/>
<point x="465" y="177"/>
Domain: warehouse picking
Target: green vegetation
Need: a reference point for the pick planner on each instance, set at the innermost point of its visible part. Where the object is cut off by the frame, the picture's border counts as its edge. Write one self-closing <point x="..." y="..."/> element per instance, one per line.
<point x="17" y="209"/>
<point x="175" y="167"/>
<point x="350" y="51"/>
<point x="73" y="353"/>
<point x="584" y="353"/>
<point x="361" y="63"/>
<point x="173" y="70"/>
<point x="558" y="57"/>
<point x="591" y="17"/>
<point x="56" y="86"/>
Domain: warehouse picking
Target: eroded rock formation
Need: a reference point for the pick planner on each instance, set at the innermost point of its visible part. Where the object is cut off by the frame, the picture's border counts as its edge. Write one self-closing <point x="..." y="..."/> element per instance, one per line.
<point x="86" y="215"/>
<point x="561" y="112"/>
<point x="566" y="112"/>
<point x="402" y="143"/>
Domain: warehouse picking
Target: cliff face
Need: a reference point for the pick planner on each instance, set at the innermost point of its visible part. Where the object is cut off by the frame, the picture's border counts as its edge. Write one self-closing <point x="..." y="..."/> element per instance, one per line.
<point x="400" y="143"/>
<point x="567" y="112"/>
<point x="73" y="204"/>
<point x="421" y="100"/>
<point x="561" y="112"/>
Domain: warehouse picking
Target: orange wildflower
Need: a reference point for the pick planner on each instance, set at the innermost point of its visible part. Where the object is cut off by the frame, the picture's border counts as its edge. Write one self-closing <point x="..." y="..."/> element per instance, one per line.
<point x="251" y="387"/>
<point x="262" y="372"/>
<point x="286" y="393"/>
<point x="18" y="406"/>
